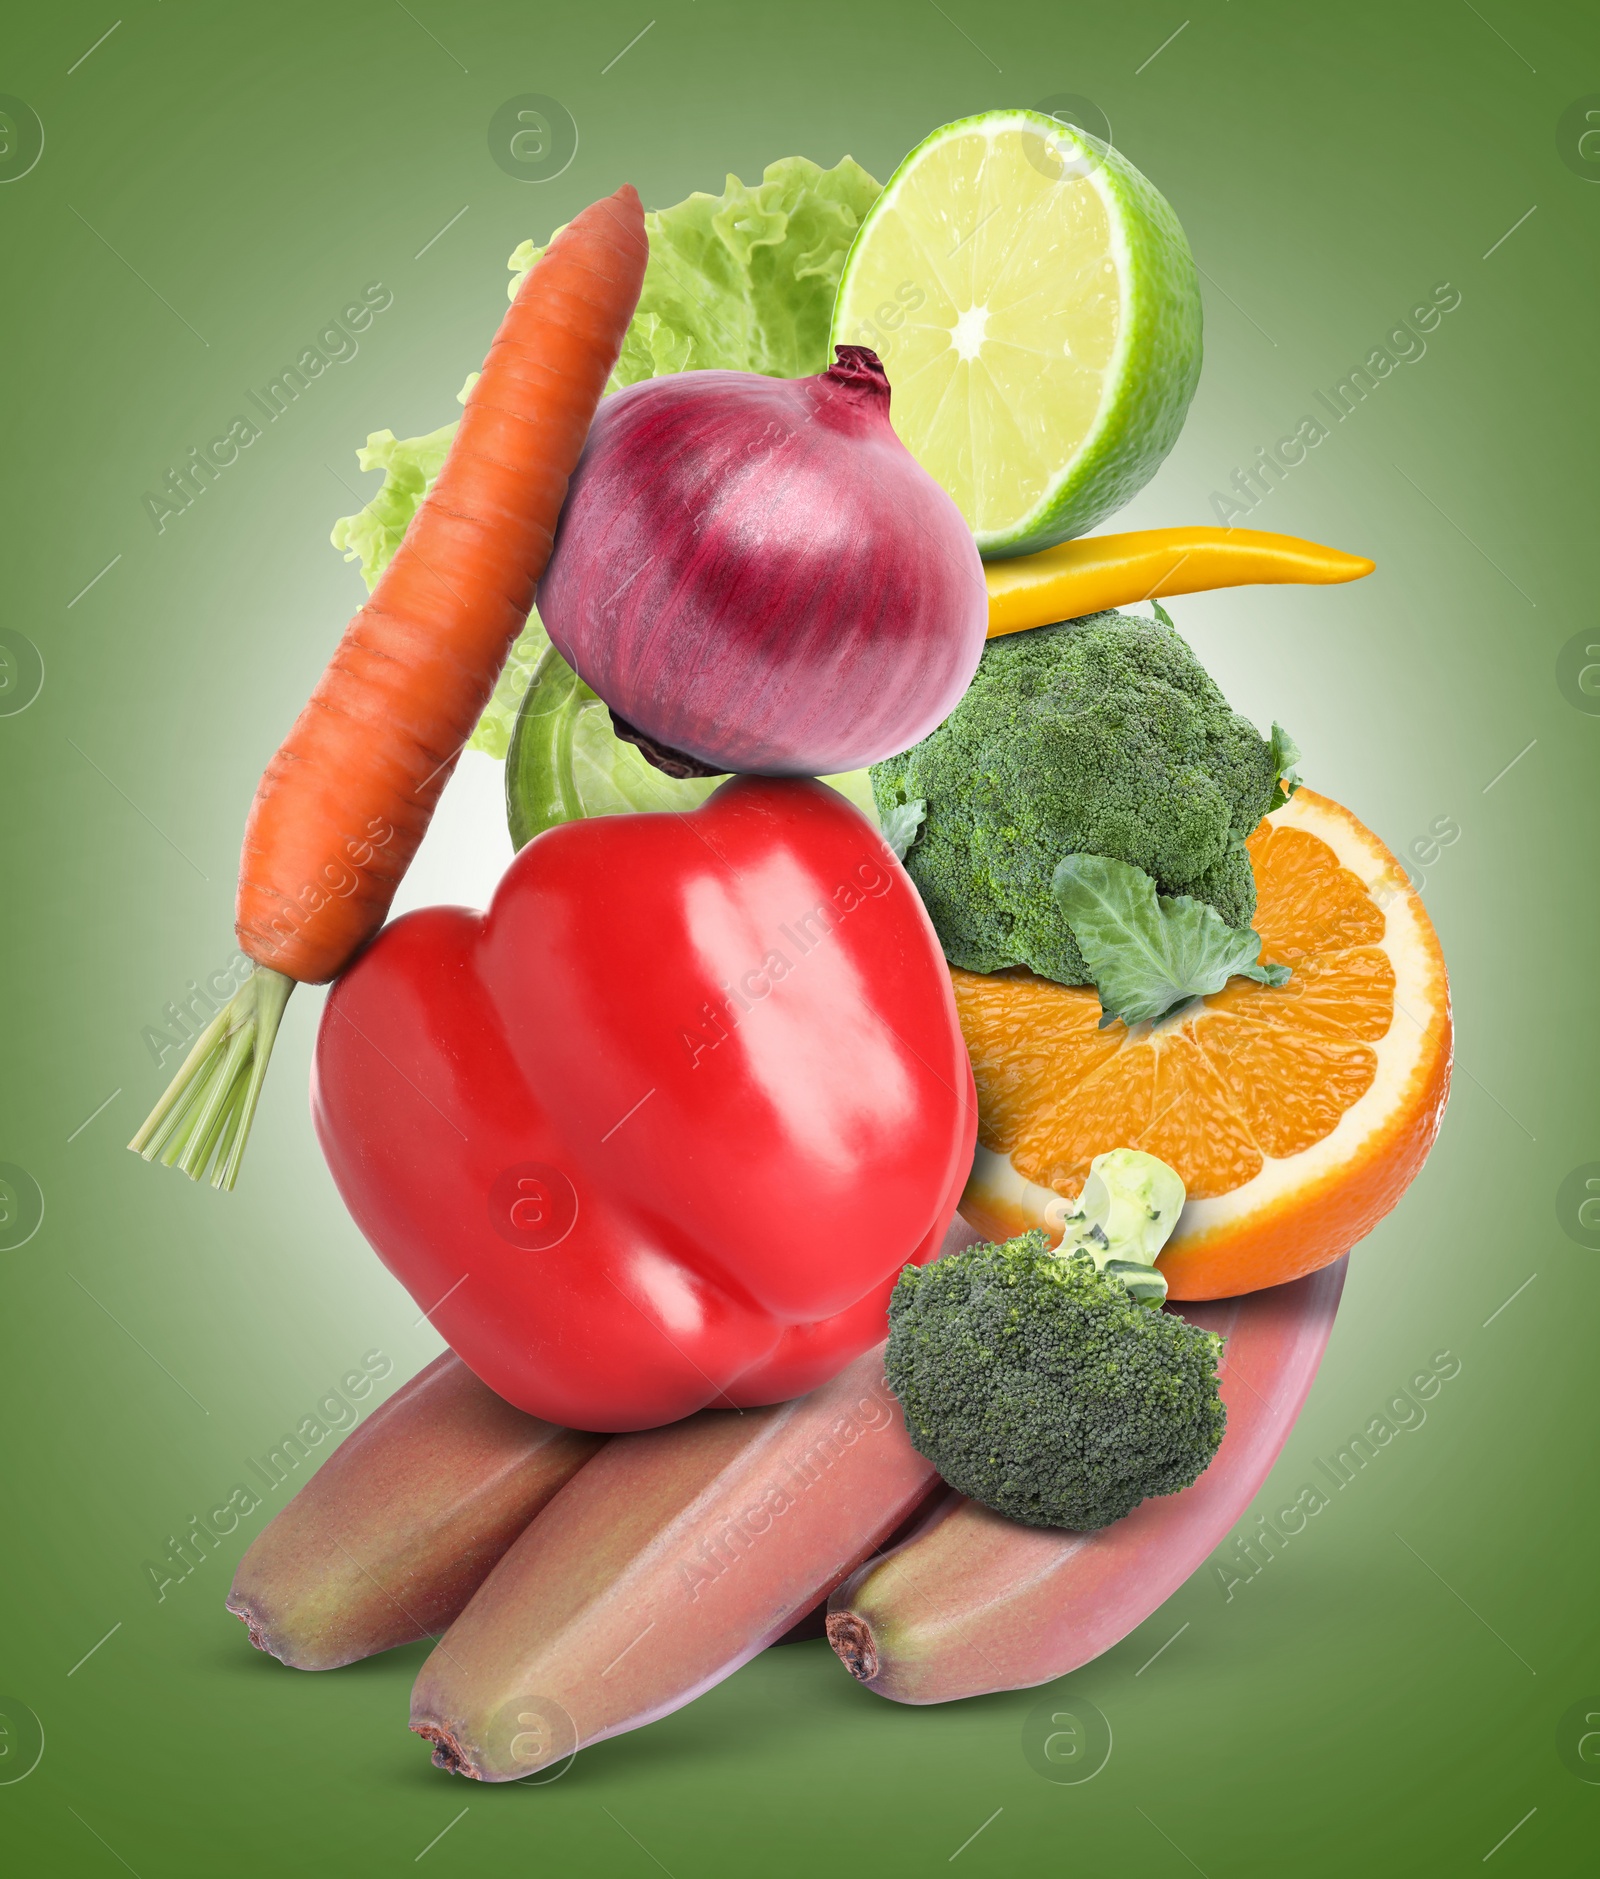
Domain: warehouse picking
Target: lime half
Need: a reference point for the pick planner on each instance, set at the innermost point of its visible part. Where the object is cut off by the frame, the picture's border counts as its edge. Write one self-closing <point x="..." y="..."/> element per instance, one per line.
<point x="1035" y="304"/>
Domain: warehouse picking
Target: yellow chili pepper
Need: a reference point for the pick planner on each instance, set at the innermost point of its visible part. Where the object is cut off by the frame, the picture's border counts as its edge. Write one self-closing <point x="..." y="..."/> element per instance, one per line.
<point x="1103" y="571"/>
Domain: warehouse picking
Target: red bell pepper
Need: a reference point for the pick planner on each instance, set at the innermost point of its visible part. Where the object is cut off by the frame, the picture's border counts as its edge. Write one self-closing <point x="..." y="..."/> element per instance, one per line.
<point x="659" y="1130"/>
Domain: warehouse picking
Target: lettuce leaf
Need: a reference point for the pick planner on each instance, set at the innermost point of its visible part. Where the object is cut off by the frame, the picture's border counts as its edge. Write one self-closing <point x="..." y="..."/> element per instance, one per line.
<point x="1150" y="952"/>
<point x="744" y="281"/>
<point x="409" y="467"/>
<point x="739" y="282"/>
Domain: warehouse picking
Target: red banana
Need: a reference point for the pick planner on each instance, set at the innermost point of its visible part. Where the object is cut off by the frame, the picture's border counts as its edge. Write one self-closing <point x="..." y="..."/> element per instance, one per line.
<point x="400" y="1526"/>
<point x="673" y="1558"/>
<point x="973" y="1602"/>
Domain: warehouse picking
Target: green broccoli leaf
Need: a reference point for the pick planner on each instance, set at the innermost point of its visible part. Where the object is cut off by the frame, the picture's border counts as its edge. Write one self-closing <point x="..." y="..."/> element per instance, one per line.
<point x="1129" y="1205"/>
<point x="1148" y="952"/>
<point x="1285" y="754"/>
<point x="901" y="823"/>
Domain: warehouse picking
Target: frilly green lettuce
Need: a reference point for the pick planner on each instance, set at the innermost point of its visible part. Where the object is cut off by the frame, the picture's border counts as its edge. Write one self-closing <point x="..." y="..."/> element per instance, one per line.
<point x="739" y="282"/>
<point x="409" y="466"/>
<point x="744" y="281"/>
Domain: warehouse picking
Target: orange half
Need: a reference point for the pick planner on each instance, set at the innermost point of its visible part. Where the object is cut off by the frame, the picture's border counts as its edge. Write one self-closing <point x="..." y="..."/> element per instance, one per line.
<point x="1296" y="1115"/>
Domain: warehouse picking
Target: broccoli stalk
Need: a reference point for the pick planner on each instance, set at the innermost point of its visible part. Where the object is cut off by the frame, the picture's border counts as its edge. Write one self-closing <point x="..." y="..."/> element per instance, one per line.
<point x="1046" y="1383"/>
<point x="1129" y="1205"/>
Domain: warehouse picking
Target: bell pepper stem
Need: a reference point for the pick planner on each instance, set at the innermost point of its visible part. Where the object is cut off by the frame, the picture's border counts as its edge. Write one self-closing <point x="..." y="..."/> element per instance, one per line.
<point x="203" y="1118"/>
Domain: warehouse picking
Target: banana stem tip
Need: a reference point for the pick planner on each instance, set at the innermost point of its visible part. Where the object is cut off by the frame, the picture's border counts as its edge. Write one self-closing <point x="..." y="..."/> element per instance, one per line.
<point x="851" y="1638"/>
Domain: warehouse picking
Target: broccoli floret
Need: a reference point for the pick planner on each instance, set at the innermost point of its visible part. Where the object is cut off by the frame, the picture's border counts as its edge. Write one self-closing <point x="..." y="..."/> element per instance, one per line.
<point x="1100" y="736"/>
<point x="1036" y="1384"/>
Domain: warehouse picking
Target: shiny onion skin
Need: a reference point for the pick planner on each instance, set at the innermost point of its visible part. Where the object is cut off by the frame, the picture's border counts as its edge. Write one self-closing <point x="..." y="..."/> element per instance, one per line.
<point x="756" y="573"/>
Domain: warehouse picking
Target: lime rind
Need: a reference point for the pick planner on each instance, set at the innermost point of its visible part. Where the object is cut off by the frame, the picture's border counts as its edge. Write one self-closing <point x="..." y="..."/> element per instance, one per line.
<point x="1154" y="364"/>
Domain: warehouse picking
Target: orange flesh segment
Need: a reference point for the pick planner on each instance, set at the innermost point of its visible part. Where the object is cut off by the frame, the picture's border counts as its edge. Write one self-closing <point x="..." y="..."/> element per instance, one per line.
<point x="1252" y="1071"/>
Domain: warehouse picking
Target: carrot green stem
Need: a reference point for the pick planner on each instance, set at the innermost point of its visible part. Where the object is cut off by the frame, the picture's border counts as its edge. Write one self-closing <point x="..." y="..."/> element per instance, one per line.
<point x="203" y="1118"/>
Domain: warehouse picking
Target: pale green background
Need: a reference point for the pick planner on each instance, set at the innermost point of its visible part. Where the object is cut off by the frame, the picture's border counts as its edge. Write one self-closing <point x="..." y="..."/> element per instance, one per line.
<point x="1352" y="1709"/>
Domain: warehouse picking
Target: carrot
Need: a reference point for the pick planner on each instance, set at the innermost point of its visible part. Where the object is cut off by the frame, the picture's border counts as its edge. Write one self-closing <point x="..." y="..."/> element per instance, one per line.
<point x="345" y="801"/>
<point x="1103" y="571"/>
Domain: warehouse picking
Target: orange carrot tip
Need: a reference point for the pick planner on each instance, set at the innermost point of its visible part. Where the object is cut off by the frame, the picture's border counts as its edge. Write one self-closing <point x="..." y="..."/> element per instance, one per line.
<point x="203" y="1120"/>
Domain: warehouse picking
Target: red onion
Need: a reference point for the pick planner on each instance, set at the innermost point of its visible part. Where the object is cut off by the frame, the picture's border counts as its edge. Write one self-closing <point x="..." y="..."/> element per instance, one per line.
<point x="755" y="574"/>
